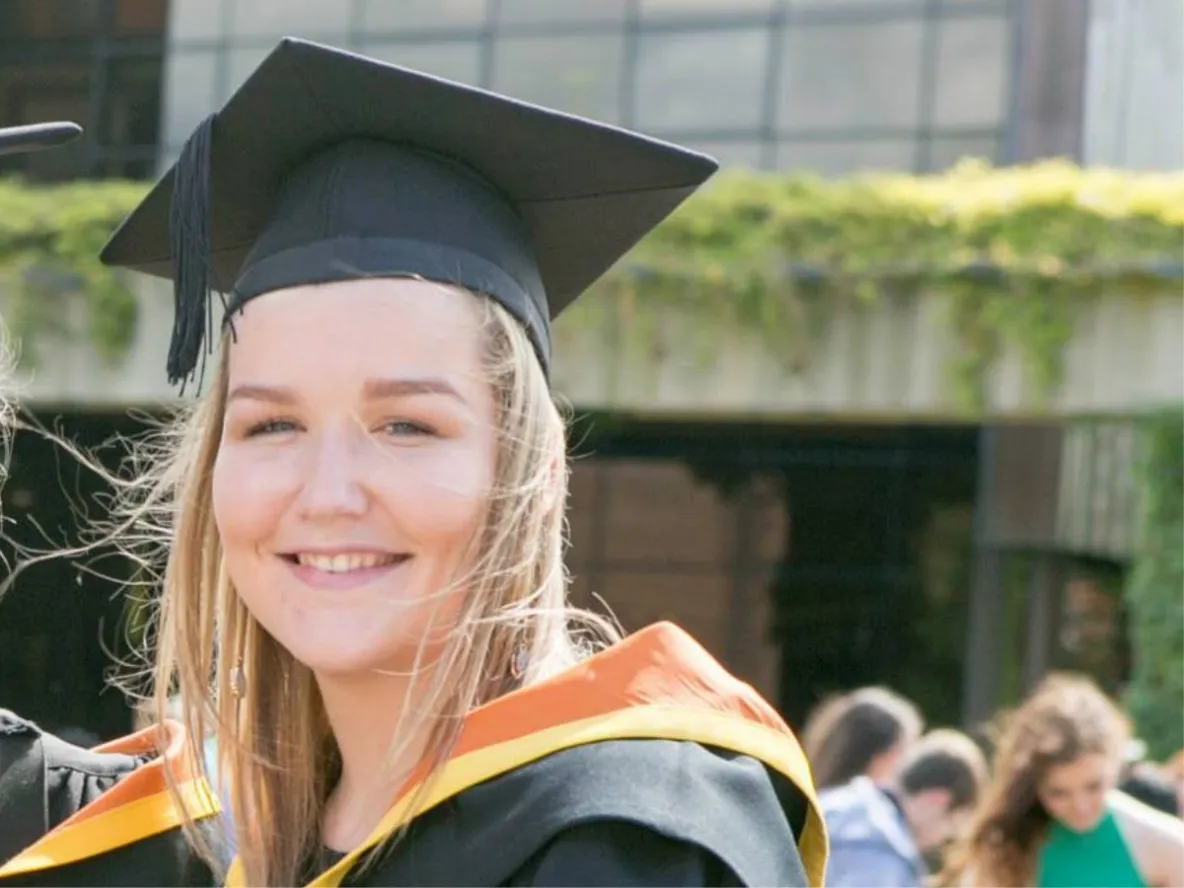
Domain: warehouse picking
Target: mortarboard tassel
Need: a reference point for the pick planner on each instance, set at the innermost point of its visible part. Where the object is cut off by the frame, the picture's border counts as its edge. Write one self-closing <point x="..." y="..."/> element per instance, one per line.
<point x="189" y="231"/>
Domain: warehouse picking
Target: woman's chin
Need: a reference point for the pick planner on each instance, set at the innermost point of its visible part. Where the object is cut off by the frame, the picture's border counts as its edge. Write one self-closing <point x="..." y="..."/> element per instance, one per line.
<point x="360" y="652"/>
<point x="1083" y="824"/>
<point x="337" y="665"/>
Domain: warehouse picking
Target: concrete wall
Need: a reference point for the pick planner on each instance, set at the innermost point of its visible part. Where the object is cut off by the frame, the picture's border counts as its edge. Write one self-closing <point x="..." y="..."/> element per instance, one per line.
<point x="1134" y="115"/>
<point x="889" y="361"/>
<point x="886" y="362"/>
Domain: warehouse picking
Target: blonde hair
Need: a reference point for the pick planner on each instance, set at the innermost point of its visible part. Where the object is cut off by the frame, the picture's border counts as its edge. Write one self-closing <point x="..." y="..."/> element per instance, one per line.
<point x="1066" y="717"/>
<point x="276" y="750"/>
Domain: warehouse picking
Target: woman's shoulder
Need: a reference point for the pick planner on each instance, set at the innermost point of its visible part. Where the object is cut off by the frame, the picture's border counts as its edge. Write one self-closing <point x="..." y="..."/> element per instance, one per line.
<point x="1155" y="839"/>
<point x="44" y="780"/>
<point x="616" y="812"/>
<point x="1137" y="815"/>
<point x="618" y="852"/>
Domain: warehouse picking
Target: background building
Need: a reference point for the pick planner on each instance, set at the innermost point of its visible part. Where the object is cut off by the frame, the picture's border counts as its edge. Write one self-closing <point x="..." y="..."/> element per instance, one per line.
<point x="861" y="546"/>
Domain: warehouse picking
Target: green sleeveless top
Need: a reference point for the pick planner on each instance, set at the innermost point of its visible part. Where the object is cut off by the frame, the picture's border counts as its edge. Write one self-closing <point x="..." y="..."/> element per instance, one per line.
<point x="1095" y="859"/>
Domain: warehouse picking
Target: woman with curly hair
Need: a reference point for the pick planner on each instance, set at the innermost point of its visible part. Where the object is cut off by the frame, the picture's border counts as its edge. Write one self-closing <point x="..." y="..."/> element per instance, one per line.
<point x="1052" y="815"/>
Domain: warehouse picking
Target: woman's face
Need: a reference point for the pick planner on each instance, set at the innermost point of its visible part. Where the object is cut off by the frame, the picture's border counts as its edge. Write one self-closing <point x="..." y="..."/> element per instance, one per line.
<point x="1075" y="793"/>
<point x="355" y="466"/>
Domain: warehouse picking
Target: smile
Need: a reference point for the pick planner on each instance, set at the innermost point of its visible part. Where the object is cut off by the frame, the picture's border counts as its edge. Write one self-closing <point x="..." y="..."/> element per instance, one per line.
<point x="344" y="569"/>
<point x="347" y="562"/>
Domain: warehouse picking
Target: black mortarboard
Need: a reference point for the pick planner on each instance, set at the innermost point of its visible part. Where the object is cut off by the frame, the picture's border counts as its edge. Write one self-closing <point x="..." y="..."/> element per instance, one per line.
<point x="326" y="165"/>
<point x="36" y="137"/>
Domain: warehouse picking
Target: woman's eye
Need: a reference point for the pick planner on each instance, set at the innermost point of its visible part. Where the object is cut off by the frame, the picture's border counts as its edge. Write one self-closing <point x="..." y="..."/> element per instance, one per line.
<point x="271" y="427"/>
<point x="404" y="428"/>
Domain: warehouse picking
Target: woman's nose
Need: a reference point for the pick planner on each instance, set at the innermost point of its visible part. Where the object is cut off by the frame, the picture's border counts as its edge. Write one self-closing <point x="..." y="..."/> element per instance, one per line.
<point x="331" y="486"/>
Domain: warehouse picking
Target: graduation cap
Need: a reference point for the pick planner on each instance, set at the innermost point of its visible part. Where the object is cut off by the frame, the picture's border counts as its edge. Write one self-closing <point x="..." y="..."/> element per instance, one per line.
<point x="326" y="165"/>
<point x="37" y="137"/>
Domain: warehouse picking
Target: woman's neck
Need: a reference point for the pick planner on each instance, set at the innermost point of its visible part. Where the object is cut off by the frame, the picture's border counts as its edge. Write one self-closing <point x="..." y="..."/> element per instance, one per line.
<point x="365" y="714"/>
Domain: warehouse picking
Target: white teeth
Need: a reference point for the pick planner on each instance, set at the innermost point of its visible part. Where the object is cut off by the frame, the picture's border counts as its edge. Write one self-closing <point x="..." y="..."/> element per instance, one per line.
<point x="345" y="562"/>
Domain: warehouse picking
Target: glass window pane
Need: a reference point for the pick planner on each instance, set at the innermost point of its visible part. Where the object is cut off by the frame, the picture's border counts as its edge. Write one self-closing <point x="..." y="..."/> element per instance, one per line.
<point x="665" y="8"/>
<point x="876" y="7"/>
<point x="194" y="20"/>
<point x="140" y="16"/>
<point x="999" y="6"/>
<point x="416" y="15"/>
<point x="851" y="156"/>
<point x="843" y="76"/>
<point x="35" y="93"/>
<point x="168" y="157"/>
<point x="945" y="152"/>
<point x="34" y="19"/>
<point x="530" y="11"/>
<point x="131" y="104"/>
<point x="581" y="75"/>
<point x="241" y="62"/>
<point x="972" y="72"/>
<point x="701" y="80"/>
<point x="297" y="18"/>
<point x="190" y="79"/>
<point x="747" y="153"/>
<point x="459" y="61"/>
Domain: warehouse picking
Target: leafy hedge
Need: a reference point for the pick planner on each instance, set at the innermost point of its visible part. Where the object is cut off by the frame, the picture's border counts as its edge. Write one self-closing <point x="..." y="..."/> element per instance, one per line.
<point x="1155" y="588"/>
<point x="1015" y="250"/>
<point x="49" y="243"/>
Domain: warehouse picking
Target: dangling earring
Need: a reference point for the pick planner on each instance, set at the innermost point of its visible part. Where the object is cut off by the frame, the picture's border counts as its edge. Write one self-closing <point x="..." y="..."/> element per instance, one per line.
<point x="238" y="680"/>
<point x="520" y="662"/>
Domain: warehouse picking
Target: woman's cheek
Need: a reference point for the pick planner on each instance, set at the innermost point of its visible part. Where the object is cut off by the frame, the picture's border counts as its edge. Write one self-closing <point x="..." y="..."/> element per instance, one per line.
<point x="248" y="486"/>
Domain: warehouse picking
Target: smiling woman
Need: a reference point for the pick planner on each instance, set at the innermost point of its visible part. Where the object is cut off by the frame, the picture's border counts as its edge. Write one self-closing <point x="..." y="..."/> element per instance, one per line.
<point x="348" y="491"/>
<point x="360" y="523"/>
<point x="1052" y="815"/>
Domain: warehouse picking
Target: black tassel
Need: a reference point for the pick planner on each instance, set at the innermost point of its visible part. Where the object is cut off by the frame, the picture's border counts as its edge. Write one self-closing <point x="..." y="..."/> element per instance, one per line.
<point x="189" y="230"/>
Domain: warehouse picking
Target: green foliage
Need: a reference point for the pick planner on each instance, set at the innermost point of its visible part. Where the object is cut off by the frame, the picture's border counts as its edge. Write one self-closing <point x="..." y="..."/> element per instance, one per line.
<point x="1155" y="588"/>
<point x="49" y="244"/>
<point x="1015" y="251"/>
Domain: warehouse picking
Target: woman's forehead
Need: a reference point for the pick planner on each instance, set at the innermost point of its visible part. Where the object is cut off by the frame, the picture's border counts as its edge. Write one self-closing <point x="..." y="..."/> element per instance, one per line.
<point x="1084" y="768"/>
<point x="358" y="300"/>
<point x="370" y="325"/>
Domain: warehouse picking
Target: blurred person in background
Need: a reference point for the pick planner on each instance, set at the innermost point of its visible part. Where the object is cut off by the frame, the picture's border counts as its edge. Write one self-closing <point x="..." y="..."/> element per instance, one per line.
<point x="1147" y="781"/>
<point x="863" y="733"/>
<point x="889" y="835"/>
<point x="1174" y="771"/>
<point x="1052" y="815"/>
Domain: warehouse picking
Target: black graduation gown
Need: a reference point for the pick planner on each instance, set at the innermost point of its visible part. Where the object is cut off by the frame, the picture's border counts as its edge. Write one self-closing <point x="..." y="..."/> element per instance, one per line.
<point x="625" y="812"/>
<point x="131" y="837"/>
<point x="646" y="765"/>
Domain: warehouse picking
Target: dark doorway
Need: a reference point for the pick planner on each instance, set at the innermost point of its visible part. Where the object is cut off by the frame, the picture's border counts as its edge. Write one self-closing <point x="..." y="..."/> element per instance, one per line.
<point x="59" y="625"/>
<point x="874" y="585"/>
<point x="870" y="584"/>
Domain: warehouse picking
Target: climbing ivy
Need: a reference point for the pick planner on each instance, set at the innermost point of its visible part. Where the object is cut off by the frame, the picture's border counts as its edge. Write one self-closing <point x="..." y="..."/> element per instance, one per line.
<point x="49" y="243"/>
<point x="1155" y="588"/>
<point x="1014" y="251"/>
